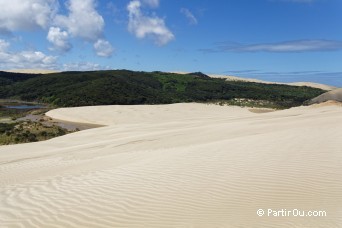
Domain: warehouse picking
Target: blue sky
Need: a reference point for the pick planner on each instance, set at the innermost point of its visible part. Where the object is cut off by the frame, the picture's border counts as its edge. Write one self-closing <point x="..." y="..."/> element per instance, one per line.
<point x="279" y="40"/>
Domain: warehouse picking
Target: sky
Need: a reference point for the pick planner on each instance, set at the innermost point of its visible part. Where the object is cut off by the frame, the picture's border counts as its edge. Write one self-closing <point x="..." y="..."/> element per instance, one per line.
<point x="276" y="40"/>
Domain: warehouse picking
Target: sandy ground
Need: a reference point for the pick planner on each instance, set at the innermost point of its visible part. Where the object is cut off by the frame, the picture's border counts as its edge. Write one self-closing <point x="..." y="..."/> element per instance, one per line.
<point x="181" y="165"/>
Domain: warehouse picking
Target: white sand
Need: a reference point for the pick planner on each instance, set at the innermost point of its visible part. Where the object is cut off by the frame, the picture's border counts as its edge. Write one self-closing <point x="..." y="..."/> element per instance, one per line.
<point x="309" y="84"/>
<point x="32" y="71"/>
<point x="182" y="165"/>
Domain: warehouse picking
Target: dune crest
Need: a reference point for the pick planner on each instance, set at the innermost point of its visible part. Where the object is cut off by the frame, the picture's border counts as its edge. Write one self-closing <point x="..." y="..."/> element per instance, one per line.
<point x="180" y="165"/>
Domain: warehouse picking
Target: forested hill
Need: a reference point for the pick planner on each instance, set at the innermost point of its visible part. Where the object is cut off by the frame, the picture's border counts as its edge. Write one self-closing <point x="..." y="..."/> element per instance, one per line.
<point x="7" y="78"/>
<point x="125" y="87"/>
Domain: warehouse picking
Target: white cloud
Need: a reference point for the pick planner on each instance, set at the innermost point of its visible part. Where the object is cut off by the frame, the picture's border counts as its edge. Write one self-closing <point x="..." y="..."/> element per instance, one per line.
<point x="187" y="13"/>
<point x="25" y="59"/>
<point x="83" y="66"/>
<point x="26" y="14"/>
<point x="39" y="60"/>
<point x="103" y="48"/>
<point x="151" y="3"/>
<point x="143" y="26"/>
<point x="83" y="20"/>
<point x="294" y="46"/>
<point x="287" y="46"/>
<point x="59" y="39"/>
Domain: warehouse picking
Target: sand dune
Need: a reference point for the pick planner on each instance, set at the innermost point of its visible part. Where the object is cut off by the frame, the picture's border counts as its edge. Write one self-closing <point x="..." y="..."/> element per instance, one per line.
<point x="334" y="95"/>
<point x="309" y="84"/>
<point x="182" y="165"/>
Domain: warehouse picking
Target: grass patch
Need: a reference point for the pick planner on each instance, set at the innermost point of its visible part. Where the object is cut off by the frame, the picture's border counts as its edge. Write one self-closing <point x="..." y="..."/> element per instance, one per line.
<point x="25" y="132"/>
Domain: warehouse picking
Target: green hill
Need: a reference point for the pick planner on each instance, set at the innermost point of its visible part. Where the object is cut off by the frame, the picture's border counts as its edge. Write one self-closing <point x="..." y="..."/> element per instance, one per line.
<point x="125" y="87"/>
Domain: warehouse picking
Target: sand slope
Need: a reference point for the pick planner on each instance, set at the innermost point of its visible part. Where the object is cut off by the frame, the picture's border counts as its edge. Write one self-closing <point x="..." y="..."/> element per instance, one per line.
<point x="182" y="165"/>
<point x="334" y="95"/>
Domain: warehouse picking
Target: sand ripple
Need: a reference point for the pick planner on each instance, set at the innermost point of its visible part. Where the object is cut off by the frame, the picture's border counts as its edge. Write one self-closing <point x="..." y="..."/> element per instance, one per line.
<point x="193" y="170"/>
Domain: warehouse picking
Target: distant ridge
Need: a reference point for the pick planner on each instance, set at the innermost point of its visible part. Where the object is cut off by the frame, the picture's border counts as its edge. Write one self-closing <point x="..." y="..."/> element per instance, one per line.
<point x="124" y="87"/>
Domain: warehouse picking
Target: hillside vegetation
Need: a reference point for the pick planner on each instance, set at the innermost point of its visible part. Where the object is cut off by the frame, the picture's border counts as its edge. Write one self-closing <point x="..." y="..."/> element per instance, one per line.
<point x="24" y="132"/>
<point x="125" y="87"/>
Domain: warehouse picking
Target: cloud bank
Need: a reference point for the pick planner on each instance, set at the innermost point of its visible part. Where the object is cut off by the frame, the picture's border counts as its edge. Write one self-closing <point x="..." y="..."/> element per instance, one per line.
<point x="25" y="59"/>
<point x="81" y="20"/>
<point x="287" y="46"/>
